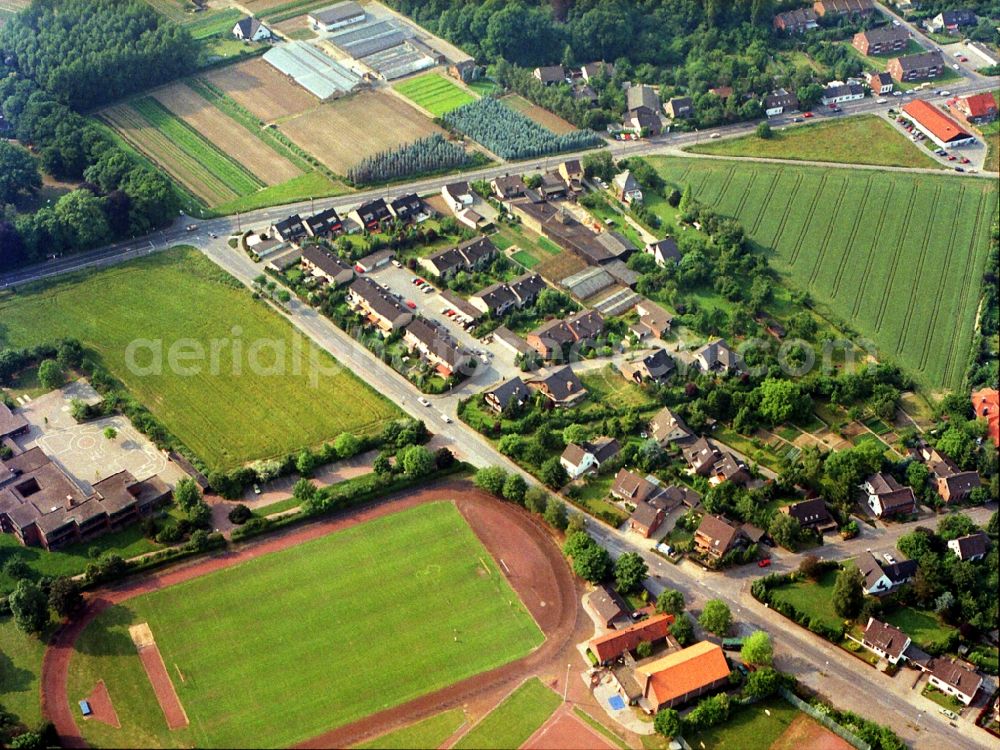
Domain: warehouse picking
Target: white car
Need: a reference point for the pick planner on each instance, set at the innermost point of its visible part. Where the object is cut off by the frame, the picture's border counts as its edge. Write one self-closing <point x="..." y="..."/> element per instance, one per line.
<point x="889" y="558"/>
<point x="445" y="418"/>
<point x="950" y="714"/>
<point x="945" y="93"/>
<point x="897" y="93"/>
<point x="881" y="101"/>
<point x="396" y="263"/>
<point x="956" y="54"/>
<point x="956" y="66"/>
<point x="424" y="401"/>
<point x="715" y="135"/>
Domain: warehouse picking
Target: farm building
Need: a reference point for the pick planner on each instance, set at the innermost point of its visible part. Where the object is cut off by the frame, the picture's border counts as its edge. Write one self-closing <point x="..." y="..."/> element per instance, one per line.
<point x="936" y="125"/>
<point x="312" y="70"/>
<point x="337" y="16"/>
<point x="385" y="47"/>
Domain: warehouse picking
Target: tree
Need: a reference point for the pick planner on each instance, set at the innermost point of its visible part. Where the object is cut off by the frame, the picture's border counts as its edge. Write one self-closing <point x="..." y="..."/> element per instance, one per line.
<point x="306" y="462"/>
<point x="670" y="602"/>
<point x="682" y="629"/>
<point x="553" y="473"/>
<point x="304" y="491"/>
<point x="630" y="572"/>
<point x="491" y="479"/>
<point x="346" y="445"/>
<point x="29" y="606"/>
<point x="644" y="650"/>
<point x="715" y="617"/>
<point x="18" y="172"/>
<point x="16" y="568"/>
<point x="536" y="499"/>
<point x="810" y="567"/>
<point x="955" y="525"/>
<point x="417" y="461"/>
<point x="28" y="741"/>
<point x="514" y="488"/>
<point x="65" y="597"/>
<point x="592" y="563"/>
<point x="82" y="215"/>
<point x="186" y="493"/>
<point x="917" y="475"/>
<point x="50" y="374"/>
<point x="782" y="400"/>
<point x="757" y="649"/>
<point x="848" y="592"/>
<point x="786" y="531"/>
<point x="762" y="682"/>
<point x="110" y="433"/>
<point x="667" y="722"/>
<point x="764" y="131"/>
<point x="555" y="513"/>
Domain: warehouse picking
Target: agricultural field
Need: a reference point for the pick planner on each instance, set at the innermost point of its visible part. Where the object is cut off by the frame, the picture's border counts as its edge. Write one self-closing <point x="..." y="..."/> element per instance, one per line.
<point x="256" y="408"/>
<point x="542" y="116"/>
<point x="434" y="92"/>
<point x="846" y="141"/>
<point x="316" y="635"/>
<point x="343" y="132"/>
<point x="9" y="8"/>
<point x="232" y="138"/>
<point x="258" y="87"/>
<point x="906" y="277"/>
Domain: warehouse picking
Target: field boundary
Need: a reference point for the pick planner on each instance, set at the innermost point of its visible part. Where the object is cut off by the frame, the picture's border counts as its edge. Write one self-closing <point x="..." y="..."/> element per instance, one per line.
<point x="159" y="678"/>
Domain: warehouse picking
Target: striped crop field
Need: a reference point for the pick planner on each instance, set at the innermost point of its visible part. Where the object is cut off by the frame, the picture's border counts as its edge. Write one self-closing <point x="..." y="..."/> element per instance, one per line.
<point x="897" y="256"/>
<point x="434" y="92"/>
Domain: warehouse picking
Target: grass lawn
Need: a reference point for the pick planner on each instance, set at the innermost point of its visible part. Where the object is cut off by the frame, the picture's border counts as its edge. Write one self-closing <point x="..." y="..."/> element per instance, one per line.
<point x="942" y="699"/>
<point x="20" y="667"/>
<point x="486" y="87"/>
<point x="512" y="722"/>
<point x="748" y="728"/>
<point x="923" y="627"/>
<point x="843" y="140"/>
<point x="607" y="386"/>
<point x="927" y="247"/>
<point x="434" y="92"/>
<point x="316" y="636"/>
<point x="525" y="258"/>
<point x="815" y="599"/>
<point x="430" y="732"/>
<point x="303" y="187"/>
<point x="243" y="412"/>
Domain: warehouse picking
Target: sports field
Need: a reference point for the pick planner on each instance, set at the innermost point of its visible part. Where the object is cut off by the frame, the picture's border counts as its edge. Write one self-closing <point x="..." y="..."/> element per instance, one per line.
<point x="897" y="256"/>
<point x="266" y="405"/>
<point x="847" y="141"/>
<point x="512" y="722"/>
<point x="434" y="92"/>
<point x="315" y="636"/>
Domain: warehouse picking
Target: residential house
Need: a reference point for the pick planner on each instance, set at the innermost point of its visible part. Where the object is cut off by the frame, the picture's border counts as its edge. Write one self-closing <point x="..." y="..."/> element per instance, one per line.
<point x="643" y="108"/>
<point x="844" y="7"/>
<point x="684" y="675"/>
<point x="627" y="188"/>
<point x="495" y="300"/>
<point x="592" y="70"/>
<point x="572" y="174"/>
<point x="880" y="83"/>
<point x="882" y="577"/>
<point x="551" y="339"/>
<point x="887" y="497"/>
<point x="562" y="387"/>
<point x="526" y="288"/>
<point x="723" y="92"/>
<point x="336" y="16"/>
<point x="881" y="41"/>
<point x="641" y="96"/>
<point x="651" y="368"/>
<point x="458" y="195"/>
<point x="920" y="67"/>
<point x="473" y="220"/>
<point x="322" y="265"/>
<point x="11" y="424"/>
<point x="371" y="215"/>
<point x="780" y="101"/>
<point x="467" y="256"/>
<point x="666" y="427"/>
<point x="407" y="208"/>
<point x="443" y="352"/>
<point x="511" y="393"/>
<point x="607" y="648"/>
<point x="970" y="547"/>
<point x="289" y="229"/>
<point x="812" y="514"/>
<point x="975" y="109"/>
<point x="716" y="356"/>
<point x="838" y="93"/>
<point x="953" y="484"/>
<point x="664" y="251"/>
<point x="580" y="458"/>
<point x="885" y="640"/>
<point x="508" y="187"/>
<point x="729" y="468"/>
<point x="716" y="536"/>
<point x="323" y="224"/>
<point x="952" y="21"/>
<point x="608" y="606"/>
<point x="631" y="488"/>
<point x="701" y="456"/>
<point x="654" y="318"/>
<point x="250" y="29"/>
<point x="986" y="403"/>
<point x="550" y="74"/>
<point x="679" y="107"/>
<point x="954" y="679"/>
<point x="796" y="21"/>
<point x="552" y="186"/>
<point x="646" y="519"/>
<point x="936" y="125"/>
<point x="381" y="308"/>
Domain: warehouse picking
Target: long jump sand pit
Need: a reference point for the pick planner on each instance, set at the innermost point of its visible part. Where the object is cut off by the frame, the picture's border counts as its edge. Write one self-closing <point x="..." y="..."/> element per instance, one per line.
<point x="343" y="132"/>
<point x="805" y="732"/>
<point x="156" y="670"/>
<point x="260" y="88"/>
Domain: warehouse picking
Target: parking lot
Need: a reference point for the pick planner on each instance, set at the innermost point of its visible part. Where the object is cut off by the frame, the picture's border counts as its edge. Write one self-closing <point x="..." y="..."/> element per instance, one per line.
<point x="962" y="159"/>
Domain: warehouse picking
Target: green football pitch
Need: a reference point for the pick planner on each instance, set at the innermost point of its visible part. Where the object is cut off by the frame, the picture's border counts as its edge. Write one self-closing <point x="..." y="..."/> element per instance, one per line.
<point x="285" y="646"/>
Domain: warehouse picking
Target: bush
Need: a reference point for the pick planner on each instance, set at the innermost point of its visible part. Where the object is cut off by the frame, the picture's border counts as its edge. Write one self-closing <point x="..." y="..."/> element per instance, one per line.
<point x="240" y="514"/>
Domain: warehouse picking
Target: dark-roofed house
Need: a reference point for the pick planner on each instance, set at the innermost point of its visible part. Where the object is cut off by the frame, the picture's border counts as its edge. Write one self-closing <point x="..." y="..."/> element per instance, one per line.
<point x="796" y="21"/>
<point x="550" y="339"/>
<point x="549" y="74"/>
<point x="526" y="288"/>
<point x="680" y="107"/>
<point x="627" y="188"/>
<point x="716" y="356"/>
<point x="780" y="101"/>
<point x="494" y="300"/>
<point x="716" y="536"/>
<point x="666" y="427"/>
<point x="654" y="318"/>
<point x="11" y="424"/>
<point x="812" y="514"/>
<point x="952" y="21"/>
<point x="652" y="368"/>
<point x="322" y="265"/>
<point x="885" y="640"/>
<point x="508" y="187"/>
<point x="970" y="547"/>
<point x="646" y="519"/>
<point x="881" y="578"/>
<point x="607" y="604"/>
<point x="887" y="497"/>
<point x="643" y="105"/>
<point x="289" y="229"/>
<point x="594" y="69"/>
<point x="511" y="392"/>
<point x="562" y="387"/>
<point x="336" y="16"/>
<point x="920" y="67"/>
<point x="372" y="214"/>
<point x="729" y="468"/>
<point x="606" y="648"/>
<point x="953" y="484"/>
<point x="701" y="456"/>
<point x="249" y="29"/>
<point x="436" y="345"/>
<point x="880" y="83"/>
<point x="324" y="223"/>
<point x="881" y="41"/>
<point x="457" y="195"/>
<point x="407" y="208"/>
<point x="467" y="256"/>
<point x="572" y="174"/>
<point x="952" y="678"/>
<point x="579" y="458"/>
<point x="631" y="487"/>
<point x="378" y="306"/>
<point x="842" y="92"/>
<point x="664" y="251"/>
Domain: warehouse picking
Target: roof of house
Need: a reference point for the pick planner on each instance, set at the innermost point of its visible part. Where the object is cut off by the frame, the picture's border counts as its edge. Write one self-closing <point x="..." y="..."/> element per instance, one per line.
<point x="290" y="227"/>
<point x="461" y="305"/>
<point x="604" y="448"/>
<point x="586" y="324"/>
<point x="888" y="639"/>
<point x="641" y="95"/>
<point x="606" y="603"/>
<point x="986" y="402"/>
<point x="510" y="390"/>
<point x="654" y="316"/>
<point x="339" y="12"/>
<point x="810" y="511"/>
<point x="978" y="105"/>
<point x="798" y="16"/>
<point x="728" y="466"/>
<point x="780" y="98"/>
<point x="665" y="248"/>
<point x="592" y="69"/>
<point x="644" y="119"/>
<point x="679" y="103"/>
<point x="701" y="453"/>
<point x="884" y="34"/>
<point x="381" y="302"/>
<point x="561" y="384"/>
<point x="644" y="514"/>
<point x="952" y="673"/>
<point x="873" y="570"/>
<point x="375" y="259"/>
<point x="495" y="296"/>
<point x="323" y="221"/>
<point x="550" y="73"/>
<point x="407" y="205"/>
<point x="325" y="262"/>
<point x="248" y="26"/>
<point x="972" y="545"/>
<point x="456" y="189"/>
<point x="630" y="486"/>
<point x="616" y="243"/>
<point x="625" y="181"/>
<point x="723" y="92"/>
<point x="10" y="422"/>
<point x="657" y="365"/>
<point x="614" y="644"/>
<point x="373" y="210"/>
<point x="665" y="423"/>
<point x="685" y="671"/>
<point x="919" y="61"/>
<point x="510" y="186"/>
<point x="527" y="286"/>
<point x="959" y="16"/>
<point x="882" y="77"/>
<point x="720" y="532"/>
<point x="843" y="89"/>
<point x="437" y="341"/>
<point x="718" y="354"/>
<point x="574" y="454"/>
<point x="891" y="493"/>
<point x="935" y="121"/>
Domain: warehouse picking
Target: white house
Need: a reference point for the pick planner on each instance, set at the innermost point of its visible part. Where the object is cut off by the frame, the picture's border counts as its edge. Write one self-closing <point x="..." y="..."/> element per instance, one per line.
<point x="251" y="30"/>
<point x="336" y="16"/>
<point x="457" y="195"/>
<point x="627" y="188"/>
<point x="578" y="459"/>
<point x="885" y="640"/>
<point x="970" y="547"/>
<point x="887" y="497"/>
<point x="952" y="678"/>
<point x="881" y="578"/>
<point x="837" y="92"/>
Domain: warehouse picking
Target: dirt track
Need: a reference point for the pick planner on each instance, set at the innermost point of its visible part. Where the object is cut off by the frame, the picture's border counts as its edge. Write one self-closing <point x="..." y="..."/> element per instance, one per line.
<point x="538" y="573"/>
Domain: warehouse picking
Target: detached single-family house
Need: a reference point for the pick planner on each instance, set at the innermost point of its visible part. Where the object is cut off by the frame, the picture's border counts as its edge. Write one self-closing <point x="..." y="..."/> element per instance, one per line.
<point x="679" y="108"/>
<point x="952" y="21"/>
<point x="970" y="547"/>
<point x="881" y="577"/>
<point x="250" y="29"/>
<point x="976" y="109"/>
<point x="510" y="393"/>
<point x="885" y="640"/>
<point x="458" y="195"/>
<point x="654" y="318"/>
<point x="952" y="484"/>
<point x="322" y="265"/>
<point x="838" y="93"/>
<point x="562" y="387"/>
<point x="887" y="497"/>
<point x="579" y="458"/>
<point x="796" y="21"/>
<point x="666" y="427"/>
<point x="606" y="648"/>
<point x="643" y="105"/>
<point x="881" y="41"/>
<point x="407" y="208"/>
<point x="812" y="514"/>
<point x="646" y="519"/>
<point x="508" y="187"/>
<point x="592" y="70"/>
<point x="664" y="251"/>
<point x="716" y="536"/>
<point x="684" y="675"/>
<point x="549" y="74"/>
<point x="572" y="174"/>
<point x="716" y="356"/>
<point x="627" y="188"/>
<point x="632" y="488"/>
<point x="11" y="424"/>
<point x="652" y="368"/>
<point x="607" y="604"/>
<point x="780" y="101"/>
<point x="336" y="16"/>
<point x="952" y="678"/>
<point x="701" y="456"/>
<point x="920" y="67"/>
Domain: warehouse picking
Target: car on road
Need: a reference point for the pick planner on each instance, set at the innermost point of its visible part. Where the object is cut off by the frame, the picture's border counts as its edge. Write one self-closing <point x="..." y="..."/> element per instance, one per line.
<point x="213" y="235"/>
<point x="715" y="135"/>
<point x="765" y="563"/>
<point x="945" y="93"/>
<point x="965" y="160"/>
<point x="951" y="157"/>
<point x="411" y="304"/>
<point x="191" y="227"/>
<point x="423" y="401"/>
<point x="881" y="101"/>
<point x="959" y="169"/>
<point x="956" y="66"/>
<point x="256" y="489"/>
<point x="807" y="115"/>
<point x="963" y="58"/>
<point x="445" y="418"/>
<point x="797" y="119"/>
<point x="897" y="93"/>
<point x="950" y="714"/>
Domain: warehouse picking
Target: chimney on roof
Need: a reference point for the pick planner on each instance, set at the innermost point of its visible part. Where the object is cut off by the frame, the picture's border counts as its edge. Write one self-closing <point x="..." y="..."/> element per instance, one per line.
<point x="70" y="502"/>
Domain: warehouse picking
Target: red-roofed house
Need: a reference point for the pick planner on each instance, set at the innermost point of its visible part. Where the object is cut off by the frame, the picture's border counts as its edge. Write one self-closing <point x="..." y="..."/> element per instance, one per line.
<point x="936" y="125"/>
<point x="683" y="675"/>
<point x="610" y="646"/>
<point x="987" y="405"/>
<point x="975" y="109"/>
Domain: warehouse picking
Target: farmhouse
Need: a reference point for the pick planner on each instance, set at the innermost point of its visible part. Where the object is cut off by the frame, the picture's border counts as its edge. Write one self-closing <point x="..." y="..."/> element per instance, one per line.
<point x="679" y="108"/>
<point x="336" y="16"/>
<point x="887" y="497"/>
<point x="289" y="229"/>
<point x="11" y="424"/>
<point x="646" y="519"/>
<point x="511" y="393"/>
<point x="250" y="29"/>
<point x="976" y="109"/>
<point x="627" y="188"/>
<point x="811" y="514"/>
<point x="881" y="578"/>
<point x="952" y="21"/>
<point x="837" y="93"/>
<point x="371" y="215"/>
<point x="666" y="427"/>
<point x="952" y="678"/>
<point x="780" y="101"/>
<point x="986" y="403"/>
<point x="936" y="125"/>
<point x="879" y="83"/>
<point x="796" y="21"/>
<point x="322" y="265"/>
<point x="844" y="7"/>
<point x="970" y="547"/>
<point x="43" y="507"/>
<point x="684" y="675"/>
<point x="652" y="368"/>
<point x="610" y="646"/>
<point x="323" y="224"/>
<point x="549" y="74"/>
<point x="920" y="67"/>
<point x="881" y="41"/>
<point x="716" y="356"/>
<point x="885" y="640"/>
<point x="562" y="387"/>
<point x="716" y="536"/>
<point x="654" y="318"/>
<point x="664" y="251"/>
<point x="469" y="255"/>
<point x="380" y="308"/>
<point x="579" y="458"/>
<point x="437" y="347"/>
<point x="508" y="187"/>
<point x="552" y="338"/>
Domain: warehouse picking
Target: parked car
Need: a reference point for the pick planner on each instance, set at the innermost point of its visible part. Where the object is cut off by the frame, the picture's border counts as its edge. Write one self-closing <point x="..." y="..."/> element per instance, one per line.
<point x="715" y="135"/>
<point x="256" y="489"/>
<point x="889" y="558"/>
<point x="956" y="66"/>
<point x="880" y="100"/>
<point x="807" y="115"/>
<point x="396" y="263"/>
<point x="951" y="157"/>
<point x="950" y="714"/>
<point x="963" y="58"/>
<point x="965" y="160"/>
<point x="765" y="563"/>
<point x="797" y="119"/>
<point x="897" y="93"/>
<point x="424" y="401"/>
<point x="411" y="304"/>
<point x="959" y="169"/>
<point x="445" y="418"/>
<point x="945" y="93"/>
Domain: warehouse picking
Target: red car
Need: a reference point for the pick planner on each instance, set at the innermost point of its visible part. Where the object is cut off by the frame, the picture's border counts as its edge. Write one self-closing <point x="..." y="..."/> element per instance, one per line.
<point x="411" y="304"/>
<point x="766" y="562"/>
<point x="965" y="160"/>
<point x="807" y="114"/>
<point x="963" y="59"/>
<point x="951" y="157"/>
